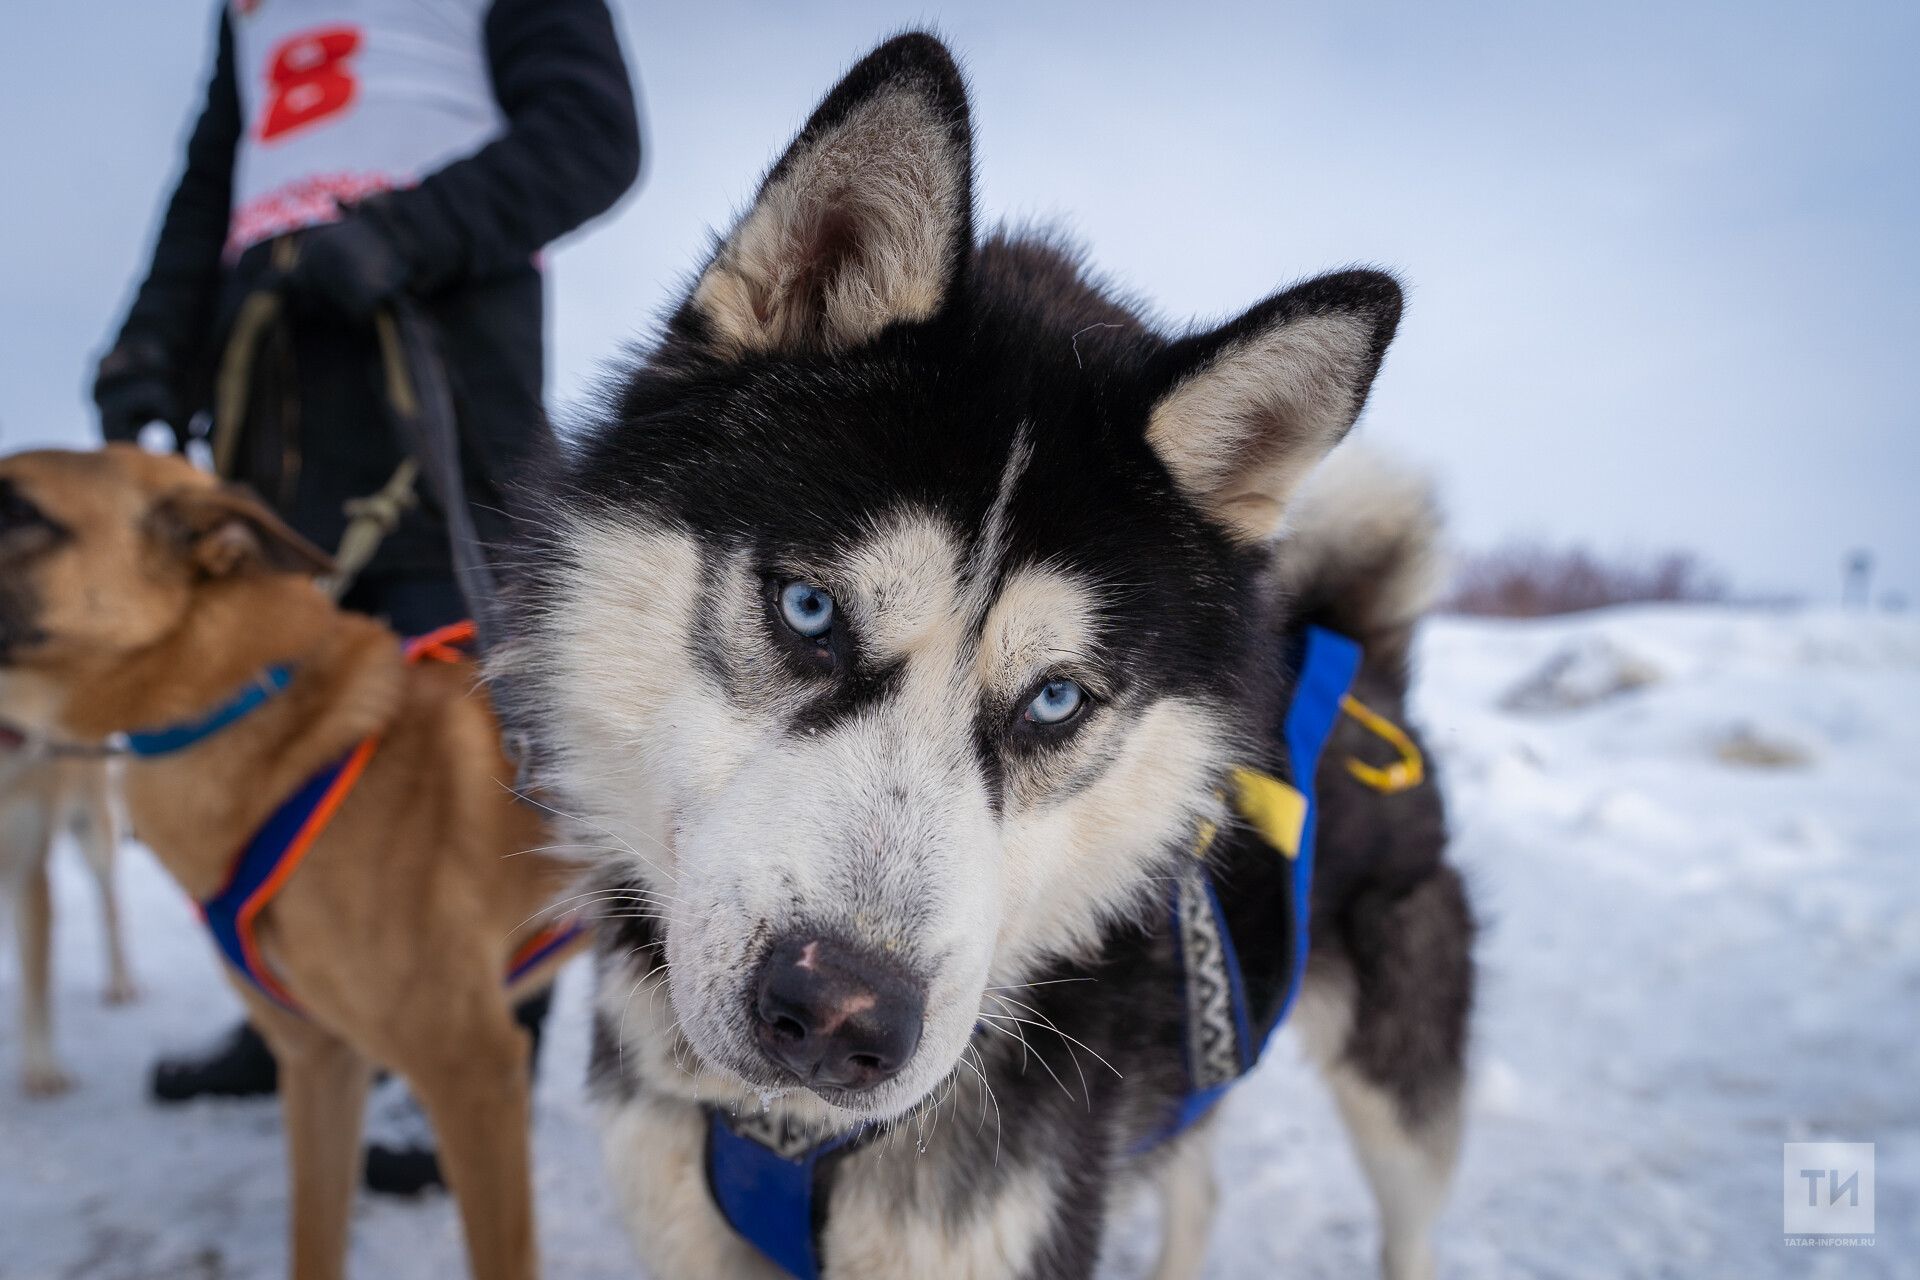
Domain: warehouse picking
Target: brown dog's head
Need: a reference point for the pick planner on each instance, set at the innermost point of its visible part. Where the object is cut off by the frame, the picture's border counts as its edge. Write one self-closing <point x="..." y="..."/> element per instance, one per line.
<point x="101" y="553"/>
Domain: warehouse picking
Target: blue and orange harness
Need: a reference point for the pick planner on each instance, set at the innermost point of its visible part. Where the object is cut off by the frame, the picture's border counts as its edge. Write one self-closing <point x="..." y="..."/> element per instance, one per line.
<point x="762" y="1169"/>
<point x="263" y="867"/>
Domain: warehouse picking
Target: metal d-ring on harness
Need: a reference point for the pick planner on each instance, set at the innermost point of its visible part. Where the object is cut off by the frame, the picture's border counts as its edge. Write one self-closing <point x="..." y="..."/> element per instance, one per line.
<point x="762" y="1168"/>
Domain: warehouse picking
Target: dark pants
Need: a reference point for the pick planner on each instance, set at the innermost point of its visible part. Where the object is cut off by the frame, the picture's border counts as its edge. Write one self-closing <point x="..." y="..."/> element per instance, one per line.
<point x="410" y="605"/>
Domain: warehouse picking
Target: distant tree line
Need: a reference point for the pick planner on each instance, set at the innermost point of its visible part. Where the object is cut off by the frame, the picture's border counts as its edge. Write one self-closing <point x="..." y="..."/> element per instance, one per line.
<point x="1530" y="580"/>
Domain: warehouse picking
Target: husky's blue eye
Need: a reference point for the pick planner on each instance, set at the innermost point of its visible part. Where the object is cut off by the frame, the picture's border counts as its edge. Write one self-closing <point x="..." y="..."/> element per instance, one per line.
<point x="1057" y="700"/>
<point x="806" y="608"/>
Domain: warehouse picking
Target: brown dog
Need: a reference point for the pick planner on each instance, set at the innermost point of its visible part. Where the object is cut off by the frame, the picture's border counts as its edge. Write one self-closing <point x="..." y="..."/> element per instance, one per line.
<point x="137" y="593"/>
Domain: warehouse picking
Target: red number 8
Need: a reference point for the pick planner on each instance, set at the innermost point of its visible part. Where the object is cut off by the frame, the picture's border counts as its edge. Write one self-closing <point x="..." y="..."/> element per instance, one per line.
<point x="308" y="78"/>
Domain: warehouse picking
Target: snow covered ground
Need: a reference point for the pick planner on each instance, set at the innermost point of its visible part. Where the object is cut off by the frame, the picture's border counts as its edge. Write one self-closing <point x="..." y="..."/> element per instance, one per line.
<point x="1701" y="939"/>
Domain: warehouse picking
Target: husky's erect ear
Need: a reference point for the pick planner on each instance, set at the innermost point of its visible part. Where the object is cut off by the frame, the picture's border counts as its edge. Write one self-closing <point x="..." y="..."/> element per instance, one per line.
<point x="1253" y="406"/>
<point x="865" y="221"/>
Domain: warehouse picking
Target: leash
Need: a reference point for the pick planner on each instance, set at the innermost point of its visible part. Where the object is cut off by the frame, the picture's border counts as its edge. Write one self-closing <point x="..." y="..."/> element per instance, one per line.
<point x="263" y="688"/>
<point x="14" y="738"/>
<point x="233" y="385"/>
<point x="763" y="1170"/>
<point x="420" y="403"/>
<point x="369" y="521"/>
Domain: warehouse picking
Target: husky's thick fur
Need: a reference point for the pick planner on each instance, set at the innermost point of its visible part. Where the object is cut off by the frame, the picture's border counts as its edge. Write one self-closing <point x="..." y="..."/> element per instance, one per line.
<point x="895" y="633"/>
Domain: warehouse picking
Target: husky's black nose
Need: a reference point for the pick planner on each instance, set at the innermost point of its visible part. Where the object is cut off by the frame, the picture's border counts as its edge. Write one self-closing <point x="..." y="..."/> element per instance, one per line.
<point x="834" y="1015"/>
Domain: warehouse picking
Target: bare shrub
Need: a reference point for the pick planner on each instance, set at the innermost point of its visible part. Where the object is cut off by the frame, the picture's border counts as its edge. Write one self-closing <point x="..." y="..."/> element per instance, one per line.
<point x="1530" y="580"/>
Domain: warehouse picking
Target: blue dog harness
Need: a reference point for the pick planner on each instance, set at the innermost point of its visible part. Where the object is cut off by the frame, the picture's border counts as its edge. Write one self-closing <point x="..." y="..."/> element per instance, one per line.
<point x="761" y="1167"/>
<point x="1221" y="1043"/>
<point x="269" y="859"/>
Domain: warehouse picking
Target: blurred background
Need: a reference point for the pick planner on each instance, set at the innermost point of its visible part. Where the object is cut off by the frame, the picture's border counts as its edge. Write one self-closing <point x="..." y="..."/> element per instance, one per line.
<point x="1664" y="305"/>
<point x="1665" y="286"/>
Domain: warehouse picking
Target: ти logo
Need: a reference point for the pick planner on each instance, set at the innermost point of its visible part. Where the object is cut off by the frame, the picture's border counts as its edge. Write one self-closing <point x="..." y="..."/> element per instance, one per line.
<point x="1829" y="1189"/>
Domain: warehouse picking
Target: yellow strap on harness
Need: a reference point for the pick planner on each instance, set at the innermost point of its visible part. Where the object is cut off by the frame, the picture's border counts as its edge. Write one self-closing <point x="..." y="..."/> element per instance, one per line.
<point x="1277" y="811"/>
<point x="1403" y="774"/>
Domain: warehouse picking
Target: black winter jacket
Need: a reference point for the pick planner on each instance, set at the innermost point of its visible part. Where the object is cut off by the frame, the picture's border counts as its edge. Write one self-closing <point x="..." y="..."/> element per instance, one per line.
<point x="468" y="233"/>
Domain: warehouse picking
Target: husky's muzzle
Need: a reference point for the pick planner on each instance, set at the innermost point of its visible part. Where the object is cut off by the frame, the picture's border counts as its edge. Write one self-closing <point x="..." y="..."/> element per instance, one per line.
<point x="838" y="1017"/>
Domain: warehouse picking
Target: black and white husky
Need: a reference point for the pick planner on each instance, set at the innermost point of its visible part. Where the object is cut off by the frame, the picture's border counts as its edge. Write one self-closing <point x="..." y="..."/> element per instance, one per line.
<point x="898" y="632"/>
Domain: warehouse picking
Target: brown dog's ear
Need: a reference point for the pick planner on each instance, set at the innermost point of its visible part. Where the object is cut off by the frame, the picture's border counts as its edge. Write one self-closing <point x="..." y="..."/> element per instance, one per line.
<point x="865" y="221"/>
<point x="226" y="530"/>
<point x="1248" y="410"/>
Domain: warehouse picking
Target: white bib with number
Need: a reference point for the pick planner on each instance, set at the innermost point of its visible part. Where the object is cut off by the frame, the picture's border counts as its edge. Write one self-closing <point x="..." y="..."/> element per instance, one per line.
<point x="343" y="98"/>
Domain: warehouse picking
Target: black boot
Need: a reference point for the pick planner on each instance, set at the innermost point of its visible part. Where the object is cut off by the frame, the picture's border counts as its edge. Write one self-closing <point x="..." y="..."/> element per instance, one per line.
<point x="402" y="1161"/>
<point x="404" y="1172"/>
<point x="241" y="1067"/>
<point x="531" y="1013"/>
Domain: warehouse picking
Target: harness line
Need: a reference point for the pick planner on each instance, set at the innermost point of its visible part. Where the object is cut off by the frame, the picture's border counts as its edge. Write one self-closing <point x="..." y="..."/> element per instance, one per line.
<point x="268" y="860"/>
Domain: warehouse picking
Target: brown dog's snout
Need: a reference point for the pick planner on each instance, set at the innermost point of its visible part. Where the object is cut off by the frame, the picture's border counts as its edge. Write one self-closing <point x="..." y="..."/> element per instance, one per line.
<point x="835" y="1015"/>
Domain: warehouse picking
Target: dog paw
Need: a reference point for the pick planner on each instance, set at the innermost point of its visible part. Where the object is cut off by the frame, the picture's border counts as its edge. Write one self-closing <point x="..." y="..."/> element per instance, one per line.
<point x="46" y="1082"/>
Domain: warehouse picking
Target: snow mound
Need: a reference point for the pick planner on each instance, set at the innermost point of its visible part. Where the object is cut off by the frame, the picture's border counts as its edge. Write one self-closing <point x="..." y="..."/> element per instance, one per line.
<point x="1587" y="670"/>
<point x="1754" y="748"/>
<point x="1686" y="960"/>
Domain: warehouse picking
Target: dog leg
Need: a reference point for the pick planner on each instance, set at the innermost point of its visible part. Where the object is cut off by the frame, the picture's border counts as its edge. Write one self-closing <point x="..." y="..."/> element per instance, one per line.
<point x="481" y="1111"/>
<point x="99" y="836"/>
<point x="1189" y="1196"/>
<point x="1383" y="1015"/>
<point x="34" y="916"/>
<point x="323" y="1093"/>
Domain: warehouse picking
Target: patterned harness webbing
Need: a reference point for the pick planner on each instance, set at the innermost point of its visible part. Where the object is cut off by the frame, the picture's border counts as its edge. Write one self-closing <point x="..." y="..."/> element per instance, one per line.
<point x="269" y="859"/>
<point x="761" y="1169"/>
<point x="1221" y="1043"/>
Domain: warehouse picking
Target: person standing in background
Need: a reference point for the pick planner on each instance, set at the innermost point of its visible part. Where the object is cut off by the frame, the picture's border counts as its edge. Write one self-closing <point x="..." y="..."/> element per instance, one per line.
<point x="351" y="152"/>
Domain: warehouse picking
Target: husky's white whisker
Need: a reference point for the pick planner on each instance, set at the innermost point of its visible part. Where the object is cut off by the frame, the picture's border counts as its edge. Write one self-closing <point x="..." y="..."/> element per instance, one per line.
<point x="978" y="1069"/>
<point x="1047" y="1023"/>
<point x="1037" y="1056"/>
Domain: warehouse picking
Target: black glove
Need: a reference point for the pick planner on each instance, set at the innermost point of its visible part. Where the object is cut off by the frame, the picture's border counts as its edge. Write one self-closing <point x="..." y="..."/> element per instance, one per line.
<point x="350" y="267"/>
<point x="134" y="386"/>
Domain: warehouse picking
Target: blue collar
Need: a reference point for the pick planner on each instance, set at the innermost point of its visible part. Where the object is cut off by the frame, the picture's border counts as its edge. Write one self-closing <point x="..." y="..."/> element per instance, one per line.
<point x="178" y="737"/>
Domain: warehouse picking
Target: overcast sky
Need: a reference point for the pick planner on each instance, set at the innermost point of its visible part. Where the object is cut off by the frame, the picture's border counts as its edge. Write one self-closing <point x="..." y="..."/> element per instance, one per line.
<point x="1663" y="259"/>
